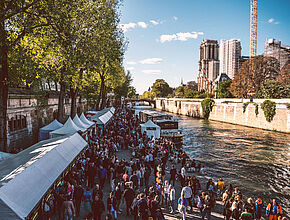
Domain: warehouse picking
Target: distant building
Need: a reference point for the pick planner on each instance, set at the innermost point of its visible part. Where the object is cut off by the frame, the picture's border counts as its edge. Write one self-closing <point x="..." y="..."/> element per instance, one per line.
<point x="244" y="59"/>
<point x="274" y="48"/>
<point x="208" y="65"/>
<point x="230" y="56"/>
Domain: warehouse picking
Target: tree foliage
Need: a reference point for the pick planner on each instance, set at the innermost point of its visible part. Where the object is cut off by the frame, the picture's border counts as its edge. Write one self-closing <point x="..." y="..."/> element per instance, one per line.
<point x="223" y="89"/>
<point x="207" y="105"/>
<point x="161" y="88"/>
<point x="180" y="91"/>
<point x="77" y="44"/>
<point x="269" y="109"/>
<point x="273" y="90"/>
<point x="252" y="74"/>
<point x="284" y="76"/>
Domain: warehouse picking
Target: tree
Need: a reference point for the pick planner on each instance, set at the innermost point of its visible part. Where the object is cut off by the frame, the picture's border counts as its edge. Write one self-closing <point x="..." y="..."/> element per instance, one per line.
<point x="252" y="74"/>
<point x="123" y="88"/>
<point x="273" y="90"/>
<point x="223" y="89"/>
<point x="284" y="76"/>
<point x="161" y="88"/>
<point x="132" y="92"/>
<point x="180" y="91"/>
<point x="191" y="85"/>
<point x="17" y="19"/>
<point x="147" y="95"/>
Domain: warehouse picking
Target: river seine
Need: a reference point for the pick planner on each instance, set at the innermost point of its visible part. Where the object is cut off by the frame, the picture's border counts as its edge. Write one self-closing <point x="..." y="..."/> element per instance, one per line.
<point x="255" y="160"/>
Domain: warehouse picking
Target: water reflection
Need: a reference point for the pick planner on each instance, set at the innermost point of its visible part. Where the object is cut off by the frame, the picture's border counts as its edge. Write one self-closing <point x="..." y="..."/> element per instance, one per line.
<point x="256" y="160"/>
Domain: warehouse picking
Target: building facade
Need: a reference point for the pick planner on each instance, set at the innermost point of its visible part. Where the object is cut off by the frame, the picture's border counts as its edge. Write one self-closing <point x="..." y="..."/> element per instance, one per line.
<point x="208" y="65"/>
<point x="25" y="118"/>
<point x="274" y="48"/>
<point x="230" y="57"/>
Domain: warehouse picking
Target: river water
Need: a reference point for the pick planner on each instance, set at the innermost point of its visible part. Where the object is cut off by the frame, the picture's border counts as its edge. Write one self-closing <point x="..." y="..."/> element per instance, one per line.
<point x="256" y="160"/>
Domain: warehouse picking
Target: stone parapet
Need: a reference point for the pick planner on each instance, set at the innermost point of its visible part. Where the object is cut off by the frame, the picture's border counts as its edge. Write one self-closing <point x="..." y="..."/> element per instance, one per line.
<point x="231" y="111"/>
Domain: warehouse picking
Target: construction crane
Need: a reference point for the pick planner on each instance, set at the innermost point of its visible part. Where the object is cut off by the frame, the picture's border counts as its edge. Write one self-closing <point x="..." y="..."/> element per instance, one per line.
<point x="253" y="28"/>
<point x="253" y="42"/>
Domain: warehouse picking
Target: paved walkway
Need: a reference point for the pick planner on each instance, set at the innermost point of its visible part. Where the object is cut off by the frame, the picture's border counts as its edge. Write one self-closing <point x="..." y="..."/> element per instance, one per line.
<point x="126" y="154"/>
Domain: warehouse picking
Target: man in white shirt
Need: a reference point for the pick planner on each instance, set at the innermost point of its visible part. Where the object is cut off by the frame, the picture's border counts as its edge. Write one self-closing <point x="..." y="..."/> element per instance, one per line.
<point x="172" y="199"/>
<point x="187" y="193"/>
<point x="183" y="175"/>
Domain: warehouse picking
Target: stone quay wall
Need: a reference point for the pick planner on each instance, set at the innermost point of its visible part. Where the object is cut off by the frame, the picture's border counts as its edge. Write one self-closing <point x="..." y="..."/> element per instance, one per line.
<point x="25" y="118"/>
<point x="231" y="111"/>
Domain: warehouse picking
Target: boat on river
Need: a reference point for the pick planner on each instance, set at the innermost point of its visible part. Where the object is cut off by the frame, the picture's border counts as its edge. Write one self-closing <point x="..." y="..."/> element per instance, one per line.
<point x="167" y="123"/>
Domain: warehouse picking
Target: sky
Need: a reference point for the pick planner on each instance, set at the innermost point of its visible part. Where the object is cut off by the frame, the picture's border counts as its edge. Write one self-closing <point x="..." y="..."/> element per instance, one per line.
<point x="164" y="35"/>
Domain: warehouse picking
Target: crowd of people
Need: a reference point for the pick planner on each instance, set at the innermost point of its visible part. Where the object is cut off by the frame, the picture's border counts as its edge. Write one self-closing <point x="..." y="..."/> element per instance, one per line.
<point x="131" y="182"/>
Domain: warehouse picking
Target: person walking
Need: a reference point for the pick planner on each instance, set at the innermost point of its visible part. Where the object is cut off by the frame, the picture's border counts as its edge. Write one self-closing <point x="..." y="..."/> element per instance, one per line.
<point x="87" y="197"/>
<point x="165" y="193"/>
<point x="187" y="193"/>
<point x="246" y="215"/>
<point x="172" y="198"/>
<point x="142" y="207"/>
<point x="68" y="209"/>
<point x="112" y="205"/>
<point x="183" y="175"/>
<point x="102" y="176"/>
<point x="98" y="207"/>
<point x="227" y="212"/>
<point x="173" y="172"/>
<point x="258" y="208"/>
<point x="273" y="210"/>
<point x="182" y="204"/>
<point x="129" y="197"/>
<point x="207" y="207"/>
<point x="78" y="195"/>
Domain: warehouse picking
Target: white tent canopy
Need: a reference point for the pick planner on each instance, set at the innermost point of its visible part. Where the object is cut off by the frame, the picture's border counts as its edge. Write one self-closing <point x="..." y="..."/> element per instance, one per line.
<point x="44" y="131"/>
<point x="26" y="177"/>
<point x="112" y="109"/>
<point x="4" y="156"/>
<point x="79" y="123"/>
<point x="151" y="129"/>
<point x="102" y="117"/>
<point x="85" y="120"/>
<point x="68" y="128"/>
<point x="106" y="117"/>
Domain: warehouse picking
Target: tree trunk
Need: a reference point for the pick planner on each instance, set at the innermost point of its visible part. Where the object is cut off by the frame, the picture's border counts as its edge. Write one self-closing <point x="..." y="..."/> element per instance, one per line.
<point x="60" y="115"/>
<point x="3" y="88"/>
<point x="99" y="100"/>
<point x="49" y="86"/>
<point x="56" y="88"/>
<point x="103" y="96"/>
<point x="73" y="94"/>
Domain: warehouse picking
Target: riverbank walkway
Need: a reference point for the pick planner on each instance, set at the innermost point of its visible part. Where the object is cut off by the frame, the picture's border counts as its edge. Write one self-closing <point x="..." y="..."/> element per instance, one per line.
<point x="195" y="214"/>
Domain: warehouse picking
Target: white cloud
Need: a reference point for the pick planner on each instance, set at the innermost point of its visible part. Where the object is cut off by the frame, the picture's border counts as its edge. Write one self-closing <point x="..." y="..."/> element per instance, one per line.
<point x="154" y="22"/>
<point x="126" y="27"/>
<point x="272" y="21"/>
<point x="131" y="62"/>
<point x="165" y="37"/>
<point x="131" y="68"/>
<point x="175" y="18"/>
<point x="180" y="36"/>
<point x="186" y="36"/>
<point x="151" y="61"/>
<point x="152" y="72"/>
<point x="142" y="24"/>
